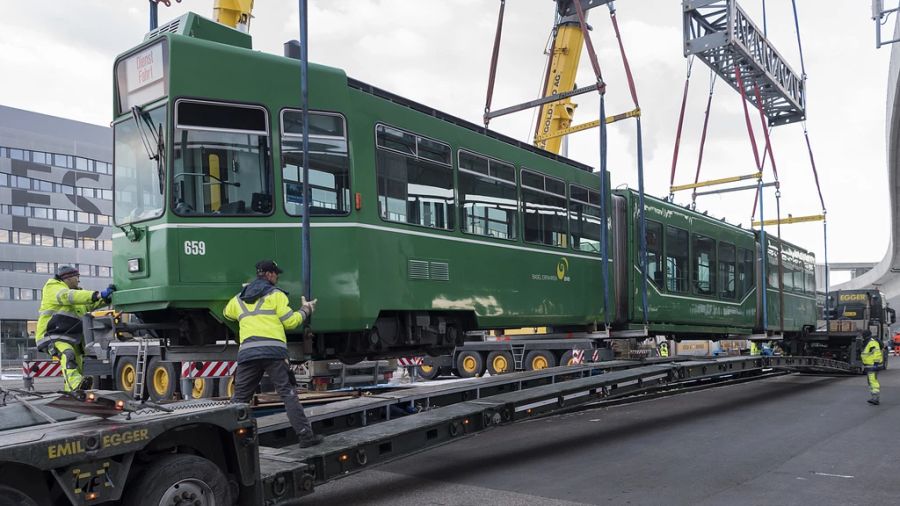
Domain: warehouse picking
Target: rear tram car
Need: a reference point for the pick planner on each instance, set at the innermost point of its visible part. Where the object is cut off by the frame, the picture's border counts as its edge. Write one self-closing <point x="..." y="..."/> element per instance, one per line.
<point x="704" y="277"/>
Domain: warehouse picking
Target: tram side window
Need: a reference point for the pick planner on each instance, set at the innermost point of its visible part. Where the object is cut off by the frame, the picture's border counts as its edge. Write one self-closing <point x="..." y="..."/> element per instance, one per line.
<point x="415" y="179"/>
<point x="487" y="196"/>
<point x="584" y="219"/>
<point x="329" y="168"/>
<point x="727" y="271"/>
<point x="810" y="276"/>
<point x="796" y="277"/>
<point x="704" y="265"/>
<point x="221" y="163"/>
<point x="746" y="271"/>
<point x="544" y="210"/>
<point x="800" y="279"/>
<point x="772" y="271"/>
<point x="676" y="259"/>
<point x="654" y="252"/>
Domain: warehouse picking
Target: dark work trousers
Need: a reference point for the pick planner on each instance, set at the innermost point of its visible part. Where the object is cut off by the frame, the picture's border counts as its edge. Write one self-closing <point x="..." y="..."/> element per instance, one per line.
<point x="247" y="377"/>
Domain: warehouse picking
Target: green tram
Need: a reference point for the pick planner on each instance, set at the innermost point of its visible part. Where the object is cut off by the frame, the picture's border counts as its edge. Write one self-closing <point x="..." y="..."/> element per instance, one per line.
<point x="423" y="226"/>
<point x="703" y="275"/>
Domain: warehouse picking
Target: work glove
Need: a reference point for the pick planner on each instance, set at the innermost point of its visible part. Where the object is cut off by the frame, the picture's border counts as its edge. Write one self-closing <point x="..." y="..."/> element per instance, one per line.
<point x="307" y="307"/>
<point x="107" y="293"/>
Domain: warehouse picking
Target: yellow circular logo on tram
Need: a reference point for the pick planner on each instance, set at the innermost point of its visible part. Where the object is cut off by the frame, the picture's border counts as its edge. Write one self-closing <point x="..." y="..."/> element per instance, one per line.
<point x="562" y="267"/>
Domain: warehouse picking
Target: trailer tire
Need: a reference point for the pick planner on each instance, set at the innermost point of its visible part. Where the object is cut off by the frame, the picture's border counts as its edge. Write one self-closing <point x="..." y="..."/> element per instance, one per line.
<point x="126" y="374"/>
<point x="427" y="370"/>
<point x="13" y="497"/>
<point x="198" y="388"/>
<point x="539" y="359"/>
<point x="193" y="478"/>
<point x="567" y="358"/>
<point x="500" y="362"/>
<point x="470" y="364"/>
<point x="161" y="380"/>
<point x="226" y="386"/>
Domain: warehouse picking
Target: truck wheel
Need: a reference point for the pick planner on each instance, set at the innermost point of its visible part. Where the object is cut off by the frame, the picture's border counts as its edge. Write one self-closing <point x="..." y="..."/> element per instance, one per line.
<point x="161" y="380"/>
<point x="469" y="364"/>
<point x="568" y="358"/>
<point x="126" y="374"/>
<point x="179" y="479"/>
<point x="427" y="371"/>
<point x="539" y="359"/>
<point x="500" y="362"/>
<point x="226" y="387"/>
<point x="12" y="497"/>
<point x="198" y="388"/>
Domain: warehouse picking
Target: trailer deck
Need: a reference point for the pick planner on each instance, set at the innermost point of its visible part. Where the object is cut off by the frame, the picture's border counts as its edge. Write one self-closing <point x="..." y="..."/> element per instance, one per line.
<point x="86" y="459"/>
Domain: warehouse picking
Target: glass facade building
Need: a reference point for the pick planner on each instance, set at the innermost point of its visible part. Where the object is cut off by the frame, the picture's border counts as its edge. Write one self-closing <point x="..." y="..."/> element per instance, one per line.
<point x="55" y="209"/>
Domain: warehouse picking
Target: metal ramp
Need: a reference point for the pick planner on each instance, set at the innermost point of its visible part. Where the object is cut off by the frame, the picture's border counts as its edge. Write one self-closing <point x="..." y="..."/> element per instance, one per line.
<point x="720" y="33"/>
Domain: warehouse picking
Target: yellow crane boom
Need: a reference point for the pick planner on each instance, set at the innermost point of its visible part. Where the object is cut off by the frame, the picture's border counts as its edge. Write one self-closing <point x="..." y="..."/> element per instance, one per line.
<point x="565" y="52"/>
<point x="233" y="13"/>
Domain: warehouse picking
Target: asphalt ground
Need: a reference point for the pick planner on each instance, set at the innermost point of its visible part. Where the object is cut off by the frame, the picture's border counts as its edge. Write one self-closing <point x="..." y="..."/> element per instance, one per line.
<point x="789" y="440"/>
<point x="14" y="380"/>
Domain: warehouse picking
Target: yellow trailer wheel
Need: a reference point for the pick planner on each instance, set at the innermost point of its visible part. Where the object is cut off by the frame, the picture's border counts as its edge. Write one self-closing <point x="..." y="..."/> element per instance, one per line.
<point x="161" y="380"/>
<point x="469" y="364"/>
<point x="500" y="362"/>
<point x="539" y="359"/>
<point x="126" y="374"/>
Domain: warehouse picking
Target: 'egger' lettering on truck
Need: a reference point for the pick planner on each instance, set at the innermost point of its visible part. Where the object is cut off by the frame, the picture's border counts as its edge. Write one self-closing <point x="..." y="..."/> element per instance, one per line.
<point x="65" y="449"/>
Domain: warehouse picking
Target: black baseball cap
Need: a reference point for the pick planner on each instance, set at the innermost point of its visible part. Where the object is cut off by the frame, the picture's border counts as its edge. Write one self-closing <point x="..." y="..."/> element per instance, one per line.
<point x="268" y="266"/>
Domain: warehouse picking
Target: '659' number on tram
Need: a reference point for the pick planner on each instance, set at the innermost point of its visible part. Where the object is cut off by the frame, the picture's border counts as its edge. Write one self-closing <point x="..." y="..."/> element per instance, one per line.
<point x="194" y="248"/>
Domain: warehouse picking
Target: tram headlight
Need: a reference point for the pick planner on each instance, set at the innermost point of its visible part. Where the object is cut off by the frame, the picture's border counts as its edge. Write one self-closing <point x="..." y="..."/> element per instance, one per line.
<point x="134" y="265"/>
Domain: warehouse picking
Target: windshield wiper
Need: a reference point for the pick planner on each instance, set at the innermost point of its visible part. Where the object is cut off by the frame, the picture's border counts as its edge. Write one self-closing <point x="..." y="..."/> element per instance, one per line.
<point x="142" y="117"/>
<point x="139" y="116"/>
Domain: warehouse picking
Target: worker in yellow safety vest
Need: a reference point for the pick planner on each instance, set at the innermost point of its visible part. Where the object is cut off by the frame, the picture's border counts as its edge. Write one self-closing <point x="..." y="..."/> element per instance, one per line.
<point x="754" y="348"/>
<point x="263" y="314"/>
<point x="59" y="329"/>
<point x="664" y="349"/>
<point x="873" y="360"/>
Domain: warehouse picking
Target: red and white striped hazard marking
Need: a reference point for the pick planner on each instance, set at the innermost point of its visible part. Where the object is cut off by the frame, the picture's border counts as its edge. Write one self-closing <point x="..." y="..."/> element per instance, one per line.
<point x="212" y="369"/>
<point x="41" y="369"/>
<point x="596" y="356"/>
<point x="577" y="357"/>
<point x="409" y="361"/>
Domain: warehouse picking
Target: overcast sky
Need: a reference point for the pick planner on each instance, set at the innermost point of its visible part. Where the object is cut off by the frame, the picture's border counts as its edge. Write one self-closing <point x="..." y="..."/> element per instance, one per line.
<point x="57" y="59"/>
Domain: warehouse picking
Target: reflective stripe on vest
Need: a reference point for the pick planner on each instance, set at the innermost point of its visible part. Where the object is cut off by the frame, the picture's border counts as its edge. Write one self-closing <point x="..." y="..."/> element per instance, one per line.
<point x="285" y="317"/>
<point x="247" y="312"/>
<point x="69" y="294"/>
<point x="53" y="338"/>
<point x="259" y="341"/>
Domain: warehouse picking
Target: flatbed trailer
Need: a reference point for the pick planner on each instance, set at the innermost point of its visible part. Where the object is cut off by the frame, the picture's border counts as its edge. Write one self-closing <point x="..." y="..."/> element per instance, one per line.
<point x="197" y="372"/>
<point x="216" y="449"/>
<point x="520" y="352"/>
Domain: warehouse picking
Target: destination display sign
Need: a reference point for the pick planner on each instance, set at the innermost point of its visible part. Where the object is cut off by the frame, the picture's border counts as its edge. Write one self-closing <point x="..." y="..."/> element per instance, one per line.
<point x="142" y="77"/>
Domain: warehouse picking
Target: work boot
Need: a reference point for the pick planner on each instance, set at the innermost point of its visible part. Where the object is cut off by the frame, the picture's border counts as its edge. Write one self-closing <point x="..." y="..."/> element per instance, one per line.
<point x="874" y="400"/>
<point x="86" y="383"/>
<point x="308" y="439"/>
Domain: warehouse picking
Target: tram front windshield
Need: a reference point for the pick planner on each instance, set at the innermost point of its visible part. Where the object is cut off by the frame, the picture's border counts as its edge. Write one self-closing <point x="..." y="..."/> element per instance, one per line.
<point x="139" y="166"/>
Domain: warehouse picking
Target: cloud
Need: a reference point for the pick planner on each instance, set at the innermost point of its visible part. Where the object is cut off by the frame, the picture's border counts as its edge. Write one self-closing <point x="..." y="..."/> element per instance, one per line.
<point x="57" y="59"/>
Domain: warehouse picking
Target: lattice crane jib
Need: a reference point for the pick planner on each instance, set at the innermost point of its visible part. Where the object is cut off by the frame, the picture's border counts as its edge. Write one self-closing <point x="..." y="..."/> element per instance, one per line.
<point x="722" y="35"/>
